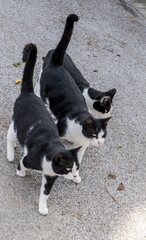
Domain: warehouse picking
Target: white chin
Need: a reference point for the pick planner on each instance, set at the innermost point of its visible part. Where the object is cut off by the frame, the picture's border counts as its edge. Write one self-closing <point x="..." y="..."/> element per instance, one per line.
<point x="69" y="178"/>
<point x="105" y="115"/>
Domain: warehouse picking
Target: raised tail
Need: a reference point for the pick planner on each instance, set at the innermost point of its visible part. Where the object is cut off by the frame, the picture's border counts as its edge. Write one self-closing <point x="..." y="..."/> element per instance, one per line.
<point x="59" y="52"/>
<point x="29" y="56"/>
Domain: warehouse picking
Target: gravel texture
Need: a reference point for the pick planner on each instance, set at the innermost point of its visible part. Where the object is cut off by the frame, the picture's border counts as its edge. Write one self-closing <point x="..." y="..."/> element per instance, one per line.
<point x="106" y="39"/>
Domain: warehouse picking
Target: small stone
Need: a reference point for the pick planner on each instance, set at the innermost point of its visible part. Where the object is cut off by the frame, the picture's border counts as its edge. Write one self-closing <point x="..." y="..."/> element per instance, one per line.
<point x="16" y="64"/>
<point x="95" y="70"/>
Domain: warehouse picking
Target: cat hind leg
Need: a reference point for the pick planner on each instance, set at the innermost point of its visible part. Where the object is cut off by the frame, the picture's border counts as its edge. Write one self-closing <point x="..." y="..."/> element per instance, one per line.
<point x="11" y="138"/>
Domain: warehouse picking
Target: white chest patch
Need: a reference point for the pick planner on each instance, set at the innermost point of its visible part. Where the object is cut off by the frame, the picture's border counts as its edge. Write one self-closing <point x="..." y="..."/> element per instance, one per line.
<point x="74" y="133"/>
<point x="47" y="167"/>
<point x="89" y="101"/>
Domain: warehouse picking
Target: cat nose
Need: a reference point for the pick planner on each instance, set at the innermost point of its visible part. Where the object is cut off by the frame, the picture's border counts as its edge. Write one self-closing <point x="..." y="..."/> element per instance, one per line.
<point x="75" y="176"/>
<point x="99" y="143"/>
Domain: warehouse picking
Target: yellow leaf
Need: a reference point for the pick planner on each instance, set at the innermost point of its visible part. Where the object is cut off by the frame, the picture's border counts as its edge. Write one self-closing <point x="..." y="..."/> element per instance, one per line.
<point x="18" y="81"/>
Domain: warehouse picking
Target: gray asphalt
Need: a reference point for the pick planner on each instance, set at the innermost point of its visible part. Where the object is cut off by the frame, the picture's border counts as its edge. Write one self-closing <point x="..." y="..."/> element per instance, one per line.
<point x="107" y="39"/>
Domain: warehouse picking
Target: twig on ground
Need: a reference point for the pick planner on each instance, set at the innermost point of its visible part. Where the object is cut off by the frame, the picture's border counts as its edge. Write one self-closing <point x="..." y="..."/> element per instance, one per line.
<point x="109" y="193"/>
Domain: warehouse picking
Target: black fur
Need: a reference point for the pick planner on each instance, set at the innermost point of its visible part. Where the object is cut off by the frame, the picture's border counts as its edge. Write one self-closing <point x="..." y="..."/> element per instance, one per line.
<point x="59" y="52"/>
<point x="49" y="183"/>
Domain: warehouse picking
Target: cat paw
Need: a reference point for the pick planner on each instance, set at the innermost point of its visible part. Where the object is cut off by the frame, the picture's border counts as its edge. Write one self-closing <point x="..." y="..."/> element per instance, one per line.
<point x="43" y="210"/>
<point x="21" y="173"/>
<point x="77" y="180"/>
<point x="10" y="157"/>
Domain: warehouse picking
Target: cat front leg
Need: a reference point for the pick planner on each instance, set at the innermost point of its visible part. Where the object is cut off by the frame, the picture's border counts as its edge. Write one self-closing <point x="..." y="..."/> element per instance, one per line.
<point x="21" y="169"/>
<point x="11" y="138"/>
<point x="47" y="183"/>
<point x="80" y="153"/>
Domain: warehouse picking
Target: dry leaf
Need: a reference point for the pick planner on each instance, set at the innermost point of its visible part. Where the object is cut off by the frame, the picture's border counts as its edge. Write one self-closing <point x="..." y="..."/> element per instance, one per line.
<point x="112" y="176"/>
<point x="121" y="187"/>
<point x="123" y="203"/>
<point x="89" y="43"/>
<point x="18" y="81"/>
<point x="105" y="34"/>
<point x="119" y="146"/>
<point x="95" y="70"/>
<point x="131" y="16"/>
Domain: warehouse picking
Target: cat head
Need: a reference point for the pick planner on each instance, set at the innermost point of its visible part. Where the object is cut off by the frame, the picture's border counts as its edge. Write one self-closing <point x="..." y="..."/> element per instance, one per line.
<point x="65" y="163"/>
<point x="95" y="130"/>
<point x="102" y="103"/>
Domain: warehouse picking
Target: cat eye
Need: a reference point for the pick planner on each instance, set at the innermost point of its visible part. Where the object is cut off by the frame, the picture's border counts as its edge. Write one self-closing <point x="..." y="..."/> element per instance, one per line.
<point x="94" y="134"/>
<point x="105" y="111"/>
<point x="68" y="169"/>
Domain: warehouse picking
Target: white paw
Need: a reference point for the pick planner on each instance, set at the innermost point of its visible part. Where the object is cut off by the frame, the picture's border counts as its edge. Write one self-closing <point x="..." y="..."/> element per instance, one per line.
<point x="10" y="157"/>
<point x="77" y="180"/>
<point x="43" y="210"/>
<point x="21" y="173"/>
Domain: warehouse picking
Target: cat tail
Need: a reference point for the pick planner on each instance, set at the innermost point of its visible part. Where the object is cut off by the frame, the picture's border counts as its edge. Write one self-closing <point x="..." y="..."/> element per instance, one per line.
<point x="29" y="57"/>
<point x="59" y="51"/>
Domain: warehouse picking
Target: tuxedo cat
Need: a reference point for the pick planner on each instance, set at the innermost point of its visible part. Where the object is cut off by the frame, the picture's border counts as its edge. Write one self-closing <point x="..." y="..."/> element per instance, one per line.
<point x="35" y="130"/>
<point x="57" y="88"/>
<point x="98" y="102"/>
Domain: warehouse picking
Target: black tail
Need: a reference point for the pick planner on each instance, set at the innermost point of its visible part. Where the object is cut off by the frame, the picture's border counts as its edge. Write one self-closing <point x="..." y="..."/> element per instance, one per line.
<point x="29" y="56"/>
<point x="59" y="52"/>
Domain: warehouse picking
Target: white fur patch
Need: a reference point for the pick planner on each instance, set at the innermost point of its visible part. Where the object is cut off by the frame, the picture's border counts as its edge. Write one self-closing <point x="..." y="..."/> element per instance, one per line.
<point x="43" y="199"/>
<point x="11" y="138"/>
<point x="22" y="171"/>
<point x="74" y="133"/>
<point x="37" y="86"/>
<point x="47" y="167"/>
<point x="89" y="101"/>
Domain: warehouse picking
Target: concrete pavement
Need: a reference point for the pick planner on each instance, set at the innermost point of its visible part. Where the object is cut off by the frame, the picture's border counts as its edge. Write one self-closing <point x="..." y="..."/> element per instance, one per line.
<point x="108" y="39"/>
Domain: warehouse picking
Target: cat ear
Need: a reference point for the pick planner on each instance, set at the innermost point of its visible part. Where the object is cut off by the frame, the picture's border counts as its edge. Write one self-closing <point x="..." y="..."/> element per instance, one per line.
<point x="74" y="151"/>
<point x="105" y="121"/>
<point x="105" y="99"/>
<point x="112" y="92"/>
<point x="60" y="159"/>
<point x="89" y="124"/>
<point x="89" y="121"/>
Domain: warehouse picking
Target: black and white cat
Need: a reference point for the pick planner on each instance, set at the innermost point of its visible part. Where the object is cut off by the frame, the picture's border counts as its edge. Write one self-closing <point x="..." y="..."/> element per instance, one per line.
<point x="57" y="88"/>
<point x="35" y="130"/>
<point x="97" y="101"/>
